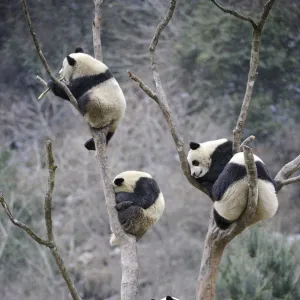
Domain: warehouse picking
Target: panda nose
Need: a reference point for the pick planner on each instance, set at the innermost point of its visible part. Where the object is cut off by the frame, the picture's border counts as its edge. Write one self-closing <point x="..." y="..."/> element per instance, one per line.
<point x="193" y="174"/>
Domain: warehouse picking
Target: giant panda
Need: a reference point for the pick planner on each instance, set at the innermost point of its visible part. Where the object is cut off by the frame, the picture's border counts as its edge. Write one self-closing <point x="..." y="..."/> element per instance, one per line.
<point x="207" y="160"/>
<point x="230" y="192"/>
<point x="98" y="94"/>
<point x="139" y="202"/>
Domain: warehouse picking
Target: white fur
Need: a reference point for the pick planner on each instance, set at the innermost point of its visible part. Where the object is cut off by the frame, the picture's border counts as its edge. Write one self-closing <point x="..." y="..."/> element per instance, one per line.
<point x="108" y="102"/>
<point x="234" y="200"/>
<point x="203" y="155"/>
<point x="172" y="297"/>
<point x="239" y="159"/>
<point x="131" y="177"/>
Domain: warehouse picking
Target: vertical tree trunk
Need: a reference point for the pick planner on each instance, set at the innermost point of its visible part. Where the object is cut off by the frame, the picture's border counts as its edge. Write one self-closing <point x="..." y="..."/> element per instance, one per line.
<point x="211" y="257"/>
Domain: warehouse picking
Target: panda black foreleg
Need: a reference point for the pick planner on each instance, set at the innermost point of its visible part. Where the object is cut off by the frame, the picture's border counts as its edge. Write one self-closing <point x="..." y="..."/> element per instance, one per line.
<point x="57" y="91"/>
<point x="221" y="222"/>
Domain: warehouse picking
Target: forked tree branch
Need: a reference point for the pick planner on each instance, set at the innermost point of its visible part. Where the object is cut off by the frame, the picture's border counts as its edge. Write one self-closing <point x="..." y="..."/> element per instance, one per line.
<point x="235" y="13"/>
<point x="161" y="99"/>
<point x="97" y="29"/>
<point x="42" y="57"/>
<point x="254" y="60"/>
<point x="283" y="176"/>
<point x="27" y="229"/>
<point x="50" y="243"/>
<point x="129" y="259"/>
<point x="247" y="141"/>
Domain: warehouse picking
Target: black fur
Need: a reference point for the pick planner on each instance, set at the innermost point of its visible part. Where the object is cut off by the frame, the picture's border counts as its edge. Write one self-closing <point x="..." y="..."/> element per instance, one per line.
<point x="71" y="60"/>
<point x="219" y="159"/>
<point x="263" y="173"/>
<point x="80" y="86"/>
<point x="231" y="173"/>
<point x="125" y="215"/>
<point x="221" y="222"/>
<point x="145" y="193"/>
<point x="109" y="136"/>
<point x="169" y="298"/>
<point x="119" y="181"/>
<point x="90" y="144"/>
<point x="79" y="50"/>
<point x="194" y="145"/>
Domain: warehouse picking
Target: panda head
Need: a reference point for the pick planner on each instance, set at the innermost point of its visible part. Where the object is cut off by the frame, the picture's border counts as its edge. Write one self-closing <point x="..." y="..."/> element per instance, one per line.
<point x="126" y="181"/>
<point x="199" y="160"/>
<point x="79" y="64"/>
<point x="200" y="156"/>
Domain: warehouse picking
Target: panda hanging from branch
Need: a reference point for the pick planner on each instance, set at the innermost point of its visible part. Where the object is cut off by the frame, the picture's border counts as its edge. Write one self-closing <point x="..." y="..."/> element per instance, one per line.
<point x="224" y="176"/>
<point x="99" y="97"/>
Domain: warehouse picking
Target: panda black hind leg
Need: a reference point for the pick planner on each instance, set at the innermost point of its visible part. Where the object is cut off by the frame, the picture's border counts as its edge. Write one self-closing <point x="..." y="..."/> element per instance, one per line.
<point x="220" y="221"/>
<point x="90" y="144"/>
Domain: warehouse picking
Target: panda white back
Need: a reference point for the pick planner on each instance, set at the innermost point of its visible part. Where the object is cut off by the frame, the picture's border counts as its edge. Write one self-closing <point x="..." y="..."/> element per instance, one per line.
<point x="230" y="192"/>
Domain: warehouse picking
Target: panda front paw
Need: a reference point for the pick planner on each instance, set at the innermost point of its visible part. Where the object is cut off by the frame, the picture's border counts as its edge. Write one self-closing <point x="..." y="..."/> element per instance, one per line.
<point x="123" y="205"/>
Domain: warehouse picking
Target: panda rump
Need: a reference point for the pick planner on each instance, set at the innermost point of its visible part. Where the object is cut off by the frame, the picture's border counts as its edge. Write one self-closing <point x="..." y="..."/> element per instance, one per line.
<point x="230" y="192"/>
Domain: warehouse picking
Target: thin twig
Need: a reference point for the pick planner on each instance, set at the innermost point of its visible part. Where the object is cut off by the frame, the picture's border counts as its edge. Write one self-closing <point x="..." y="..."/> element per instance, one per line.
<point x="41" y="80"/>
<point x="48" y="198"/>
<point x="286" y="172"/>
<point x="265" y="13"/>
<point x="97" y="29"/>
<point x="144" y="87"/>
<point x="254" y="60"/>
<point x="161" y="99"/>
<point x="129" y="259"/>
<point x="235" y="13"/>
<point x="289" y="181"/>
<point x="247" y="141"/>
<point x="42" y="57"/>
<point x="27" y="229"/>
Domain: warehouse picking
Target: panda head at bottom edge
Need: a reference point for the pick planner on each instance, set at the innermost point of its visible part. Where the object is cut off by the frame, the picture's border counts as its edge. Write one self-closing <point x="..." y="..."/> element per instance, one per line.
<point x="168" y="298"/>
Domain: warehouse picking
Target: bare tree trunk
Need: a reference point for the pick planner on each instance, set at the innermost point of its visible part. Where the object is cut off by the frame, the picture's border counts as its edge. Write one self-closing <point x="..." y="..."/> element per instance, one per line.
<point x="211" y="257"/>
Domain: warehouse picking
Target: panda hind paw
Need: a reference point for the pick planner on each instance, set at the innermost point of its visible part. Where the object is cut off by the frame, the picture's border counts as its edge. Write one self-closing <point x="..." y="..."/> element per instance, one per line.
<point x="90" y="145"/>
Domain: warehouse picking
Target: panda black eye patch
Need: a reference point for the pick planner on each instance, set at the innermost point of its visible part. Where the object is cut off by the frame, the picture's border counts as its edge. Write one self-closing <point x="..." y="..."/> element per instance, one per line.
<point x="195" y="163"/>
<point x="119" y="181"/>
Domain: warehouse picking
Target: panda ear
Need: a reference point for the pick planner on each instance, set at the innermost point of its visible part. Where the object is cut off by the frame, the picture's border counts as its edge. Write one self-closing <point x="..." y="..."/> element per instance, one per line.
<point x="71" y="61"/>
<point x="169" y="298"/>
<point x="194" y="145"/>
<point x="119" y="181"/>
<point x="79" y="50"/>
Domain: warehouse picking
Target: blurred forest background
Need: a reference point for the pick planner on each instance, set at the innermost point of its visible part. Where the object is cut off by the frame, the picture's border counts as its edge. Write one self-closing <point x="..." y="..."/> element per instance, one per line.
<point x="204" y="57"/>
